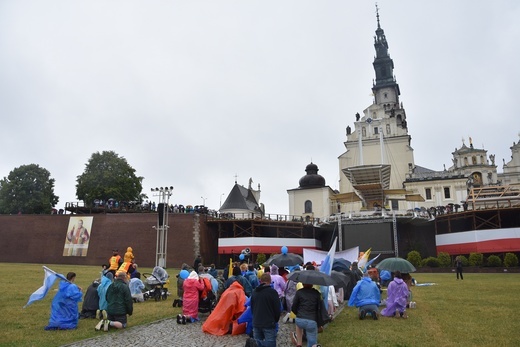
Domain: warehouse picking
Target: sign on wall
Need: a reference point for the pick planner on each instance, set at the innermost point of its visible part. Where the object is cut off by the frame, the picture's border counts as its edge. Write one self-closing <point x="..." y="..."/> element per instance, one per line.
<point x="78" y="236"/>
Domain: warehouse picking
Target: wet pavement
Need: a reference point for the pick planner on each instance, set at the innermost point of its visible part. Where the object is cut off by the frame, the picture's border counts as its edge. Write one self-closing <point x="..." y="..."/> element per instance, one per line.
<point x="167" y="332"/>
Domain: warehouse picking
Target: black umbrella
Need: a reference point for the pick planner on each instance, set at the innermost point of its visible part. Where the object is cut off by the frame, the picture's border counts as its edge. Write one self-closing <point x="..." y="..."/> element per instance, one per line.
<point x="341" y="279"/>
<point x="312" y="277"/>
<point x="283" y="260"/>
<point x="396" y="264"/>
<point x="341" y="264"/>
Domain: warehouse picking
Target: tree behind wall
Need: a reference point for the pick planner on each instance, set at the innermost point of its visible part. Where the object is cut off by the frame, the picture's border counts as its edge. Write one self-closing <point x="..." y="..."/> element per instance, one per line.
<point x="108" y="176"/>
<point x="28" y="189"/>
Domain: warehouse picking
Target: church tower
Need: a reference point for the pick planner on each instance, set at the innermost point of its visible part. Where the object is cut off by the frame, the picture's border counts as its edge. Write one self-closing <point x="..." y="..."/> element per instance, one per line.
<point x="378" y="149"/>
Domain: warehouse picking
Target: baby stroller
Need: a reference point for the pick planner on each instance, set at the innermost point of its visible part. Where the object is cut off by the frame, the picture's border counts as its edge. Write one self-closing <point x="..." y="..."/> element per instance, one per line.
<point x="156" y="284"/>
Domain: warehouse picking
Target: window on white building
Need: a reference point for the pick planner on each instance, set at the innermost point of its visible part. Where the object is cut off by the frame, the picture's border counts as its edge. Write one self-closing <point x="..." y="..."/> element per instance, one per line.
<point x="447" y="194"/>
<point x="308" y="206"/>
<point x="428" y="193"/>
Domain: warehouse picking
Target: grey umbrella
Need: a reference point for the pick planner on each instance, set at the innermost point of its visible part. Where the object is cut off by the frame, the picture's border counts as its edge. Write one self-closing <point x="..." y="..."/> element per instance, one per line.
<point x="341" y="279"/>
<point x="341" y="264"/>
<point x="283" y="260"/>
<point x="396" y="264"/>
<point x="312" y="277"/>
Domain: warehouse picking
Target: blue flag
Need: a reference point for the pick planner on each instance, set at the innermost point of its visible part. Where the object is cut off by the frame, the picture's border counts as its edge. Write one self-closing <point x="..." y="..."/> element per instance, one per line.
<point x="48" y="280"/>
<point x="326" y="267"/>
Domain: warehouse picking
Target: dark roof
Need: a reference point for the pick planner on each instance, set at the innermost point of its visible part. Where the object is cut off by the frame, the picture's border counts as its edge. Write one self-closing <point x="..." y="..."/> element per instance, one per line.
<point x="312" y="179"/>
<point x="464" y="150"/>
<point x="422" y="170"/>
<point x="240" y="198"/>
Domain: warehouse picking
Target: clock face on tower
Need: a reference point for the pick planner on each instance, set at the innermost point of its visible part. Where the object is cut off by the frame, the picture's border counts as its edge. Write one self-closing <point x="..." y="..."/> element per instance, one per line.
<point x="369" y="120"/>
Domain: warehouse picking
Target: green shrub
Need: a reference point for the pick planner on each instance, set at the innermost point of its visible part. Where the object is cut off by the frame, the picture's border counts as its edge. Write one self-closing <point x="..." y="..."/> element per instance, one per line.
<point x="476" y="259"/>
<point x="444" y="259"/>
<point x="414" y="257"/>
<point x="431" y="262"/>
<point x="510" y="260"/>
<point x="494" y="261"/>
<point x="260" y="258"/>
<point x="464" y="260"/>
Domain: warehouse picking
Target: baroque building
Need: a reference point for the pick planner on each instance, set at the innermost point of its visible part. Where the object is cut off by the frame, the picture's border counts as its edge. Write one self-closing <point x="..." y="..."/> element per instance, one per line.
<point x="388" y="203"/>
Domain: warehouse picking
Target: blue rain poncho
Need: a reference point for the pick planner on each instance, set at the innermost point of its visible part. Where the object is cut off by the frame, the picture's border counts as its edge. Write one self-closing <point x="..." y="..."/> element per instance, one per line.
<point x="136" y="286"/>
<point x="102" y="290"/>
<point x="365" y="293"/>
<point x="64" y="308"/>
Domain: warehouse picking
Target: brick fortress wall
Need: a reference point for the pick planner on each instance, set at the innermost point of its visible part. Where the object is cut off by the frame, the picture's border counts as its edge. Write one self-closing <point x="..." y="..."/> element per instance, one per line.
<point x="40" y="239"/>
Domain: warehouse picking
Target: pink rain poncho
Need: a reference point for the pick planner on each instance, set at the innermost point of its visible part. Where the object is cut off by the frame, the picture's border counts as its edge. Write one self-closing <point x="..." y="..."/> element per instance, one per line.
<point x="397" y="297"/>
<point x="192" y="287"/>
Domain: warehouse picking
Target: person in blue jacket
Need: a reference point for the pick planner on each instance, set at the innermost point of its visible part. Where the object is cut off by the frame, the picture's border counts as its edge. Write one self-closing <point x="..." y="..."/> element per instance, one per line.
<point x="64" y="307"/>
<point x="106" y="281"/>
<point x="366" y="297"/>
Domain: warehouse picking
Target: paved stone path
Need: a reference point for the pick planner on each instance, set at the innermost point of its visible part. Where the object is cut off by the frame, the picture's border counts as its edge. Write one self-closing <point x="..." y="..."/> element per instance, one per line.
<point x="167" y="332"/>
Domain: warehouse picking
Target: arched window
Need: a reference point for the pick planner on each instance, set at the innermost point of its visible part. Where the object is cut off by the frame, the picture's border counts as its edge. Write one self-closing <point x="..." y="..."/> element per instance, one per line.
<point x="308" y="206"/>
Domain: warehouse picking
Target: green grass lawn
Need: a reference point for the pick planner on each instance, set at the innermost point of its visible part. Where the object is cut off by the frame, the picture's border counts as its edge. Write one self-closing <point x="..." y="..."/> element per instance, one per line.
<point x="479" y="311"/>
<point x="24" y="326"/>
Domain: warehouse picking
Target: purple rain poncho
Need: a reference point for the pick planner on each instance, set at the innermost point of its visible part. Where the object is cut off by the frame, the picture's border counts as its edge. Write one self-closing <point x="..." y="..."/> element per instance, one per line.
<point x="397" y="297"/>
<point x="277" y="281"/>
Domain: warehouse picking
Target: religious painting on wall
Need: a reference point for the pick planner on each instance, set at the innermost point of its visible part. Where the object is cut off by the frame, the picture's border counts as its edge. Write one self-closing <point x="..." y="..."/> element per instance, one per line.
<point x="78" y="236"/>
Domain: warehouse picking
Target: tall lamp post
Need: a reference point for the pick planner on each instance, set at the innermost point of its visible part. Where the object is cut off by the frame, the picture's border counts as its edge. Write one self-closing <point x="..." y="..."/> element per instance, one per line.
<point x="164" y="194"/>
<point x="203" y="201"/>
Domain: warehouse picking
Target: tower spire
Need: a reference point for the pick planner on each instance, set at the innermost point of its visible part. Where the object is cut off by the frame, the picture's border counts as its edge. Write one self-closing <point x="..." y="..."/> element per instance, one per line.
<point x="377" y="15"/>
<point x="383" y="66"/>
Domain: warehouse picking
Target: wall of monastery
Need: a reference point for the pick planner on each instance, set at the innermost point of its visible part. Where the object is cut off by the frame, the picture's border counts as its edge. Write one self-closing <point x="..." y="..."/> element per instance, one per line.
<point x="40" y="239"/>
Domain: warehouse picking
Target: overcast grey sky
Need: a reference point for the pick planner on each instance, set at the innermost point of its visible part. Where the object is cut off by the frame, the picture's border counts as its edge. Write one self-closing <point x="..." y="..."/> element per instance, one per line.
<point x="193" y="92"/>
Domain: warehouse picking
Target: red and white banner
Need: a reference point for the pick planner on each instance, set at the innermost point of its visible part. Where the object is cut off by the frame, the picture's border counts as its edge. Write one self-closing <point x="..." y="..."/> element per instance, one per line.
<point x="480" y="241"/>
<point x="266" y="245"/>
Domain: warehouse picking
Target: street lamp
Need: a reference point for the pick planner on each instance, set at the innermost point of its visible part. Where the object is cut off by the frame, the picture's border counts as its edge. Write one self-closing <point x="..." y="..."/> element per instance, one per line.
<point x="164" y="194"/>
<point x="221" y="195"/>
<point x="203" y="201"/>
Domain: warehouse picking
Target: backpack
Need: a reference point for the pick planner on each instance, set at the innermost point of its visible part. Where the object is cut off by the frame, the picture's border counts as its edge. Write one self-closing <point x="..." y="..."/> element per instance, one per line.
<point x="207" y="292"/>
